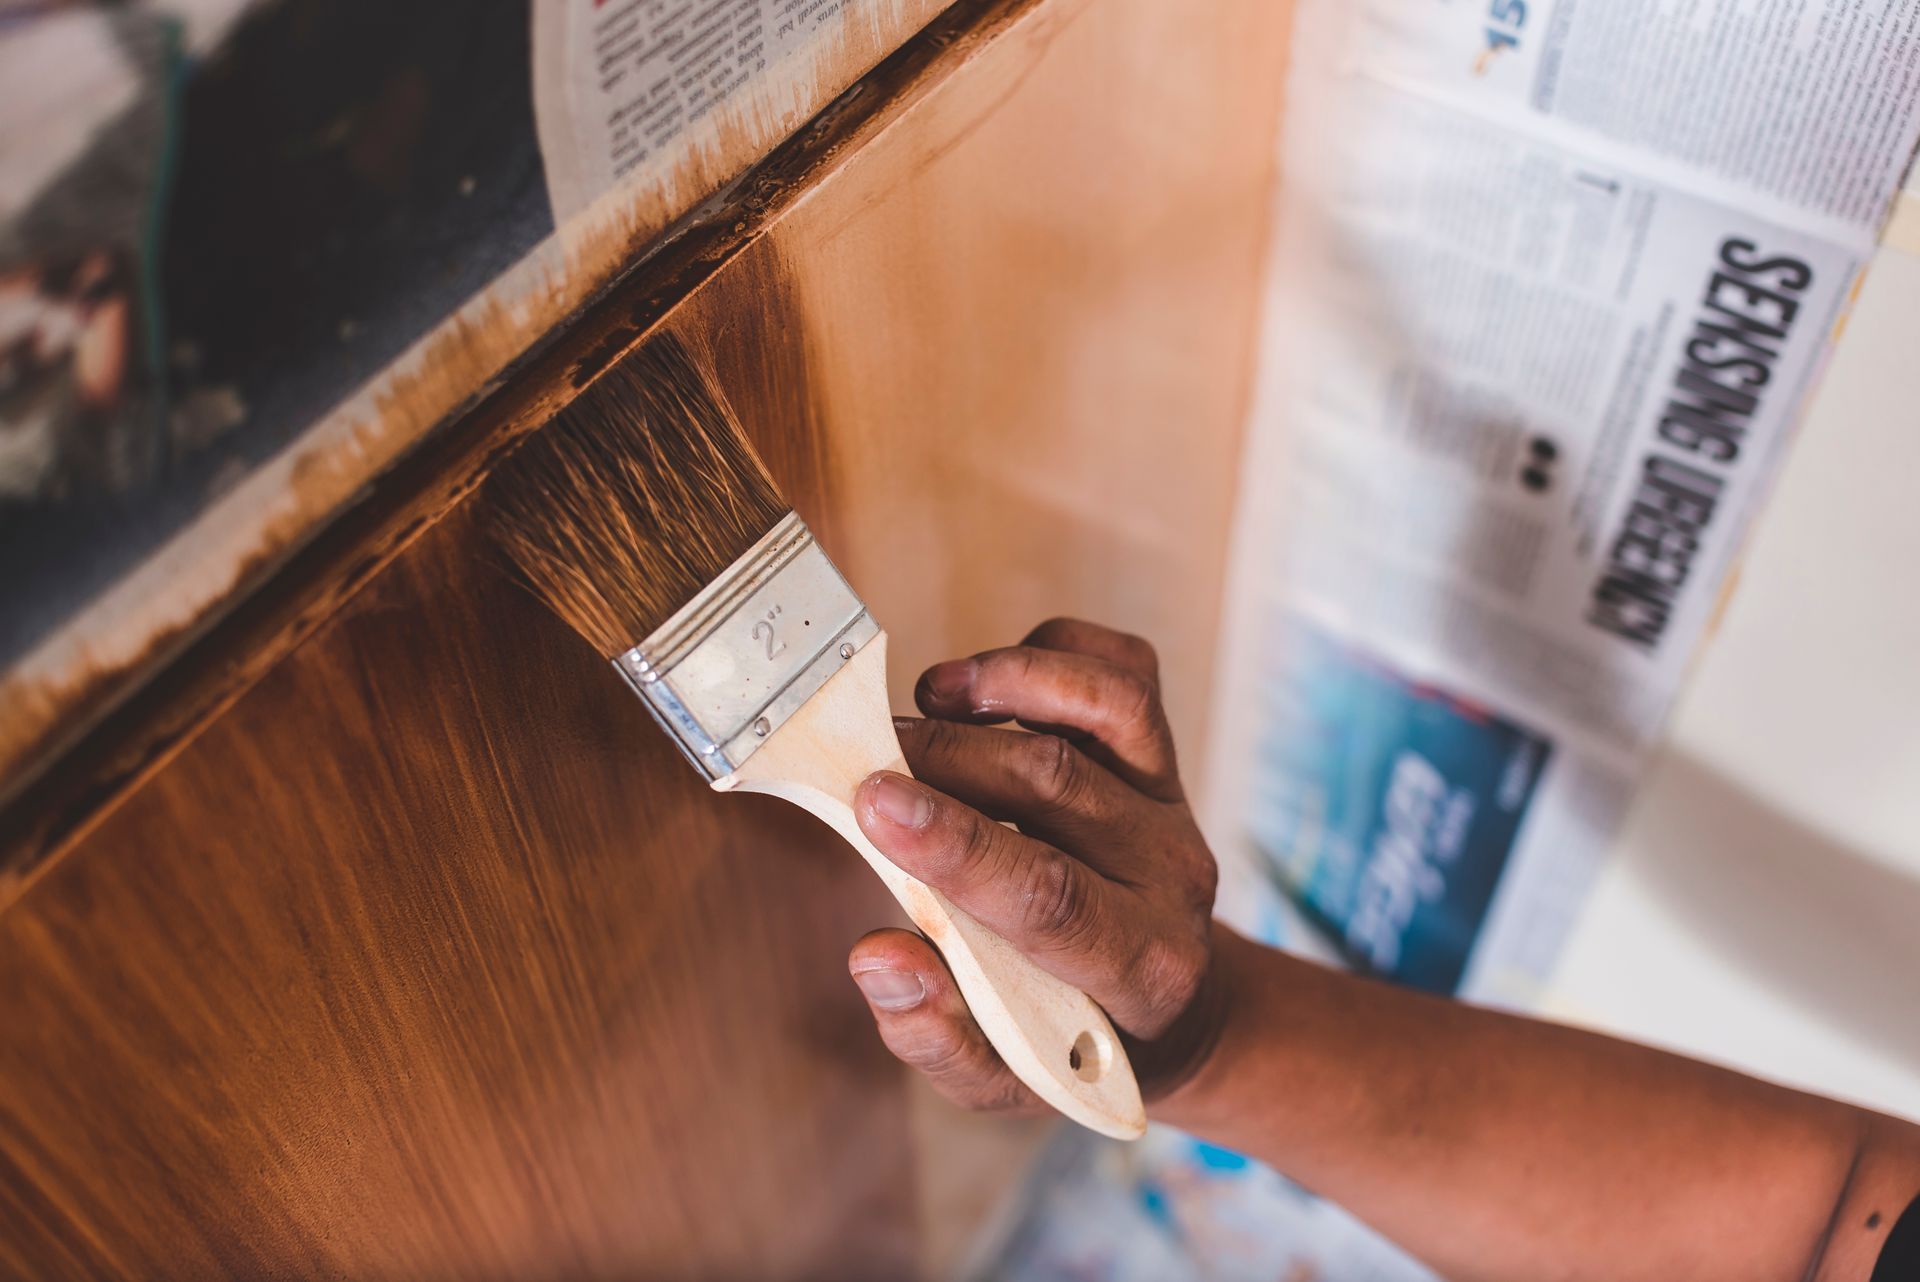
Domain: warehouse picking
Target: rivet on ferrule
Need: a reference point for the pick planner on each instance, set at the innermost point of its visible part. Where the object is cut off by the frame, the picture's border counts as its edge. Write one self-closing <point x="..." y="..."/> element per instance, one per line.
<point x="724" y="673"/>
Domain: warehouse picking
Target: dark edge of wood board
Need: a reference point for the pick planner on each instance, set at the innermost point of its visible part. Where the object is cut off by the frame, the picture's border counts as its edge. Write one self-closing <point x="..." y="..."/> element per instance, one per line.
<point x="279" y="605"/>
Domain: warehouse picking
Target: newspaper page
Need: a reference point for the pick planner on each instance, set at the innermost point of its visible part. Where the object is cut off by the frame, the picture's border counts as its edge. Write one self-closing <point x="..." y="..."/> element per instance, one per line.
<point x="1552" y="282"/>
<point x="624" y="89"/>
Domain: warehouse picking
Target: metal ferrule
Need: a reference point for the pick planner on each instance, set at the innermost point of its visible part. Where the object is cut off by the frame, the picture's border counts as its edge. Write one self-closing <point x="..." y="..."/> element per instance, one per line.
<point x="736" y="661"/>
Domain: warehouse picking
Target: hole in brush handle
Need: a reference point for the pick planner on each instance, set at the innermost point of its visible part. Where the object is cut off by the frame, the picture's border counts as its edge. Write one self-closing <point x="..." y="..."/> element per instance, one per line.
<point x="1091" y="1055"/>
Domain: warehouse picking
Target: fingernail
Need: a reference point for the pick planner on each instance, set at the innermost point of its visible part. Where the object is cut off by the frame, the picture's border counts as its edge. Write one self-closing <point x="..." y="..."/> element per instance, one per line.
<point x="948" y="681"/>
<point x="902" y="801"/>
<point x="905" y="725"/>
<point x="891" y="989"/>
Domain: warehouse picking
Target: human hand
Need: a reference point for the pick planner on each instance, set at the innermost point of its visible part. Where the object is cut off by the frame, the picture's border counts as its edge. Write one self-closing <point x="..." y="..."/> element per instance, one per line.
<point x="1107" y="883"/>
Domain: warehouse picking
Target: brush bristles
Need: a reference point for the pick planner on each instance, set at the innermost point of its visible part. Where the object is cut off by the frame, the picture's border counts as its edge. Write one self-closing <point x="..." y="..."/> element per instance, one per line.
<point x="635" y="497"/>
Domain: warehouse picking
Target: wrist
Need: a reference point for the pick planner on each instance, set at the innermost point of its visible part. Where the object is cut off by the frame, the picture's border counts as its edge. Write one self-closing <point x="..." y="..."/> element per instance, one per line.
<point x="1184" y="1065"/>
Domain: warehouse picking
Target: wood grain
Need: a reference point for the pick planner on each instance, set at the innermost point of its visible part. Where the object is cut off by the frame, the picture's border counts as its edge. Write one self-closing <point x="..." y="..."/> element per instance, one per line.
<point x="381" y="935"/>
<point x="431" y="959"/>
<point x="1036" y="347"/>
<point x="133" y="628"/>
<point x="100" y="747"/>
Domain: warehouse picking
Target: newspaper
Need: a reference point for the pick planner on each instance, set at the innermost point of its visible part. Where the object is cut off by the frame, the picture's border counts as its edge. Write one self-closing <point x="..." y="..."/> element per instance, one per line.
<point x="1551" y="285"/>
<point x="625" y="90"/>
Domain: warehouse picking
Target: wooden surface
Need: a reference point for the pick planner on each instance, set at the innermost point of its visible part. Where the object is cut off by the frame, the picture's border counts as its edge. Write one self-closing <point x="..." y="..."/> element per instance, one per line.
<point x="141" y="622"/>
<point x="105" y="750"/>
<point x="1037" y="348"/>
<point x="384" y="936"/>
<point x="433" y="958"/>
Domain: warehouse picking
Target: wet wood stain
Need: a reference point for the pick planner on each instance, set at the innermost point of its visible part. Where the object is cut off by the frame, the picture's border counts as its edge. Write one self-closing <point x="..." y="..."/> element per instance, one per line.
<point x="382" y="934"/>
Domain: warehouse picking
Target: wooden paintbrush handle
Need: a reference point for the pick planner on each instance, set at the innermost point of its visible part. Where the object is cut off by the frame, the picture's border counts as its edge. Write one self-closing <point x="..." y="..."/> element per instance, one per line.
<point x="1052" y="1035"/>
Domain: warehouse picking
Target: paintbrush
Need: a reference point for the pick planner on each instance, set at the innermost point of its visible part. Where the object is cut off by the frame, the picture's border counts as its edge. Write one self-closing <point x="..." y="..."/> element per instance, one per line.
<point x="642" y="517"/>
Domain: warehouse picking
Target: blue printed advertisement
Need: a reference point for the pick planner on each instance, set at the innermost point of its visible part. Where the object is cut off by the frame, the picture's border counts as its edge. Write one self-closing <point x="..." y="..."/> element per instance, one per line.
<point x="1389" y="808"/>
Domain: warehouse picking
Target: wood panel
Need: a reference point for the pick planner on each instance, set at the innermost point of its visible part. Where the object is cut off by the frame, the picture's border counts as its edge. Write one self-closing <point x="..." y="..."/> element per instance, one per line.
<point x="1027" y="312"/>
<point x="391" y="940"/>
<point x="49" y="806"/>
<point x="432" y="958"/>
<point x="136" y="625"/>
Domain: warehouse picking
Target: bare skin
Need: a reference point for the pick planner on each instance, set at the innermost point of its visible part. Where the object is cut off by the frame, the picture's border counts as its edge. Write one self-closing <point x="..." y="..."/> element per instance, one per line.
<point x="1490" y="1146"/>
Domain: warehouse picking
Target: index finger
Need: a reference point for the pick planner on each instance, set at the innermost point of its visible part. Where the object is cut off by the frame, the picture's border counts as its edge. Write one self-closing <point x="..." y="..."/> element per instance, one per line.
<point x="1122" y="649"/>
<point x="1113" y="713"/>
<point x="1068" y="918"/>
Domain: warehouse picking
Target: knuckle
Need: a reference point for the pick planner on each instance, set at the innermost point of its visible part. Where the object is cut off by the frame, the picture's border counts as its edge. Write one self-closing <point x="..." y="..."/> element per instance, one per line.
<point x="985" y="1087"/>
<point x="1124" y="648"/>
<point x="974" y="843"/>
<point x="1055" y="770"/>
<point x="933" y="744"/>
<point x="942" y="1052"/>
<point x="934" y="736"/>
<point x="1024" y="664"/>
<point x="1199" y="874"/>
<point x="1031" y="668"/>
<point x="1135" y="699"/>
<point x="1168" y="971"/>
<point x="1204" y="885"/>
<point x="1058" y="627"/>
<point x="1059" y="909"/>
<point x="1001" y="1093"/>
<point x="966" y="848"/>
<point x="1141" y="655"/>
<point x="964" y="1069"/>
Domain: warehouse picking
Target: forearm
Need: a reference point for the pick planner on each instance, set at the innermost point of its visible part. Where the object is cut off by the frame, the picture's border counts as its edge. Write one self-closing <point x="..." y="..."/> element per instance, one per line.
<point x="1495" y="1147"/>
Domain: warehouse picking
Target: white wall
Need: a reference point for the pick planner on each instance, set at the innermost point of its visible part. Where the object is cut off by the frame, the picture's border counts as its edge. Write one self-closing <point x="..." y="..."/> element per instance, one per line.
<point x="1762" y="906"/>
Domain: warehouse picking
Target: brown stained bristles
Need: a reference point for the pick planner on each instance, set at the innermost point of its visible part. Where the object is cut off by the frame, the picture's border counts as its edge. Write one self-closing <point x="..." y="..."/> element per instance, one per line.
<point x="635" y="497"/>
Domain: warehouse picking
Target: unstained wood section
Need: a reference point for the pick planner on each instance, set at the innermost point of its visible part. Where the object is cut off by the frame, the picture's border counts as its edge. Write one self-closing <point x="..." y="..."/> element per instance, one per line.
<point x="1035" y="352"/>
<point x="429" y="958"/>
